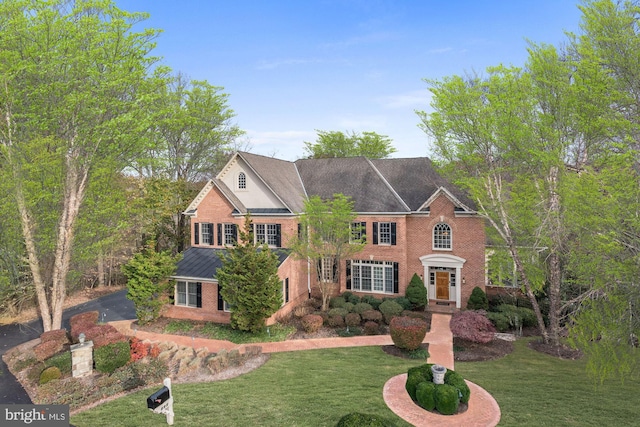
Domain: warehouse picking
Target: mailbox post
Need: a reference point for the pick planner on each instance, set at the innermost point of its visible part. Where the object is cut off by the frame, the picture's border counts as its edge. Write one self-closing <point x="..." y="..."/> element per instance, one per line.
<point x="161" y="402"/>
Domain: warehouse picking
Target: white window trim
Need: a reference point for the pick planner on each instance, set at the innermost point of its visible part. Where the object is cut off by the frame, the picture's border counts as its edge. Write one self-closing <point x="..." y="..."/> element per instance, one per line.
<point x="239" y="187"/>
<point x="202" y="233"/>
<point x="356" y="265"/>
<point x="187" y="293"/>
<point x="433" y="238"/>
<point x="380" y="242"/>
<point x="227" y="231"/>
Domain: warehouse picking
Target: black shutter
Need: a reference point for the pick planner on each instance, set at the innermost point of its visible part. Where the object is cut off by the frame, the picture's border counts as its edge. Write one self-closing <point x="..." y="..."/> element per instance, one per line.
<point x="363" y="231"/>
<point x="278" y="236"/>
<point x="334" y="271"/>
<point x="196" y="233"/>
<point x="199" y="295"/>
<point x="220" y="300"/>
<point x="348" y="274"/>
<point x="211" y="241"/>
<point x="375" y="233"/>
<point x="235" y="233"/>
<point x="393" y="233"/>
<point x="286" y="290"/>
<point x="299" y="231"/>
<point x="220" y="234"/>
<point x="396" y="282"/>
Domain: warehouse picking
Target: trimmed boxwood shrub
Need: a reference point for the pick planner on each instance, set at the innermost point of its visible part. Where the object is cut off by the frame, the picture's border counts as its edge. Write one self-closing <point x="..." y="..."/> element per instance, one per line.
<point x="324" y="315"/>
<point x="373" y="301"/>
<point x="415" y="376"/>
<point x="416" y="293"/>
<point x="336" y="321"/>
<point x="407" y="332"/>
<point x="518" y="315"/>
<point x="312" y="323"/>
<point x="348" y="306"/>
<point x="349" y="297"/>
<point x="371" y="328"/>
<point x="50" y="373"/>
<point x="357" y="419"/>
<point x="390" y="309"/>
<point x="337" y="302"/>
<point x="373" y="315"/>
<point x="426" y="396"/>
<point x="478" y="300"/>
<point x="340" y="311"/>
<point x="361" y="307"/>
<point x="499" y="320"/>
<point x="112" y="356"/>
<point x="352" y="319"/>
<point x="404" y="303"/>
<point x="447" y="399"/>
<point x="455" y="379"/>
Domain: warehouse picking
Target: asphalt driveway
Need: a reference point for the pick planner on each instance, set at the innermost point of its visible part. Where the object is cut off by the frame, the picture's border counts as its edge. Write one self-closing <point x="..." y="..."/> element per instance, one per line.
<point x="111" y="307"/>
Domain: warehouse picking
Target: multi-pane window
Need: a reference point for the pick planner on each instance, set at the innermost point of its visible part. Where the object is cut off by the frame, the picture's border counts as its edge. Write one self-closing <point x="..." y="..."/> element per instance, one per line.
<point x="242" y="181"/>
<point x="327" y="266"/>
<point x="230" y="234"/>
<point x="384" y="233"/>
<point x="358" y="230"/>
<point x="432" y="275"/>
<point x="206" y="233"/>
<point x="442" y="236"/>
<point x="372" y="276"/>
<point x="187" y="294"/>
<point x="269" y="234"/>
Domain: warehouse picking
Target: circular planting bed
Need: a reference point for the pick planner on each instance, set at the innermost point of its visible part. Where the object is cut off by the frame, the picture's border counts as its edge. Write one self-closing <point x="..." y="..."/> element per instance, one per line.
<point x="447" y="395"/>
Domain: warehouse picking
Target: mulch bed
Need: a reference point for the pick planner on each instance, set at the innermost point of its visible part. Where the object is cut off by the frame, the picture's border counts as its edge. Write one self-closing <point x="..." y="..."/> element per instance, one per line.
<point x="467" y="351"/>
<point x="398" y="352"/>
<point x="562" y="352"/>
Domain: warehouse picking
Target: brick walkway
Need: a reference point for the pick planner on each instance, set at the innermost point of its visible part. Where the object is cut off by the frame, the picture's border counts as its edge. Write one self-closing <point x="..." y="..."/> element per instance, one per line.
<point x="483" y="409"/>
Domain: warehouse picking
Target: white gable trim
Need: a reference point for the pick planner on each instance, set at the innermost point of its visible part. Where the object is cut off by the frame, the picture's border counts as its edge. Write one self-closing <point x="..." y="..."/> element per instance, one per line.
<point x="238" y="154"/>
<point x="193" y="206"/>
<point x="448" y="195"/>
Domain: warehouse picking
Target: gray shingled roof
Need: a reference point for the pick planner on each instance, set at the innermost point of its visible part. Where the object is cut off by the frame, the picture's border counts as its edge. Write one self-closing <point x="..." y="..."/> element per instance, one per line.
<point x="355" y="177"/>
<point x="202" y="263"/>
<point x="281" y="176"/>
<point x="415" y="180"/>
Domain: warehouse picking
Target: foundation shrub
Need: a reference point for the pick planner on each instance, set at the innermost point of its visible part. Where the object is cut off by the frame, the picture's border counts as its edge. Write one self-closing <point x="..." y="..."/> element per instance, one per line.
<point x="312" y="323"/>
<point x="373" y="315"/>
<point x="416" y="293"/>
<point x="371" y="300"/>
<point x="499" y="320"/>
<point x="111" y="356"/>
<point x="472" y="326"/>
<point x="478" y="300"/>
<point x="407" y="332"/>
<point x="518" y="315"/>
<point x="302" y="310"/>
<point x="352" y="319"/>
<point x="324" y="315"/>
<point x="390" y="309"/>
<point x="362" y="307"/>
<point x="455" y="379"/>
<point x="61" y="361"/>
<point x="426" y="395"/>
<point x="339" y="311"/>
<point x="336" y="321"/>
<point x="404" y="303"/>
<point x="357" y="419"/>
<point x="349" y="306"/>
<point x="371" y="328"/>
<point x="447" y="399"/>
<point x="48" y="374"/>
<point x="337" y="302"/>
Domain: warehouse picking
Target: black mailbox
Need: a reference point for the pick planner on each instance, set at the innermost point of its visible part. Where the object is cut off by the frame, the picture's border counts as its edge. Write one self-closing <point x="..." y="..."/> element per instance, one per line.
<point x="158" y="398"/>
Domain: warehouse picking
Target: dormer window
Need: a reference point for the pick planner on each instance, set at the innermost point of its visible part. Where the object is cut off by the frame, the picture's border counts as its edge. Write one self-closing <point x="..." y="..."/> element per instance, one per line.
<point x="242" y="181"/>
<point x="442" y="236"/>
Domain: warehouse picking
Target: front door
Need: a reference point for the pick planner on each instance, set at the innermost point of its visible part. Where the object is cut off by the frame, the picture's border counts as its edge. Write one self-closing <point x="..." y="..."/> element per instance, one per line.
<point x="442" y="285"/>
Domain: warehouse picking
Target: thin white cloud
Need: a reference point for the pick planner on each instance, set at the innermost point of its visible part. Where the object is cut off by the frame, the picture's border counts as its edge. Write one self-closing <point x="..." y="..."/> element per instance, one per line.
<point x="416" y="98"/>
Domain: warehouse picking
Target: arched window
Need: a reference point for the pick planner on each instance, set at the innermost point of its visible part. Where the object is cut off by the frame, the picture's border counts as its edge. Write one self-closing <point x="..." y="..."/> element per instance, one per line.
<point x="242" y="181"/>
<point x="442" y="236"/>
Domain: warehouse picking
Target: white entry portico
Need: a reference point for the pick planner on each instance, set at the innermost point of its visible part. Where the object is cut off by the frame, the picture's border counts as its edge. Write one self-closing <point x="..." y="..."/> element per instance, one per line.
<point x="442" y="262"/>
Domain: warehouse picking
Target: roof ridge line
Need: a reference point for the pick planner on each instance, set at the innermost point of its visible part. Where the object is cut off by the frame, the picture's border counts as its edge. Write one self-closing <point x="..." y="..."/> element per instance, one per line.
<point x="389" y="186"/>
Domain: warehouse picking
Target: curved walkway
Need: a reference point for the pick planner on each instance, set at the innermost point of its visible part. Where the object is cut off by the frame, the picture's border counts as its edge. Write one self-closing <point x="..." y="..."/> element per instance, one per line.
<point x="483" y="409"/>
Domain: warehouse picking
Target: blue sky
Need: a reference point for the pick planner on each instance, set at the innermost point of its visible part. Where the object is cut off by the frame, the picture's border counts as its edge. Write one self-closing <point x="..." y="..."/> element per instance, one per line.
<point x="291" y="67"/>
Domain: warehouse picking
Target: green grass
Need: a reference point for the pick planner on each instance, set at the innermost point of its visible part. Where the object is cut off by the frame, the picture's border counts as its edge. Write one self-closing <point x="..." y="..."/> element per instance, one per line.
<point x="535" y="389"/>
<point x="178" y="326"/>
<point x="316" y="388"/>
<point x="272" y="333"/>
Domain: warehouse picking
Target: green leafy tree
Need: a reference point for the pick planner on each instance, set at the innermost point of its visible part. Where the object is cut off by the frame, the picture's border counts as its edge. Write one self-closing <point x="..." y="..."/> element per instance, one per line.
<point x="326" y="239"/>
<point x="147" y="273"/>
<point x="249" y="281"/>
<point x="339" y="144"/>
<point x="72" y="78"/>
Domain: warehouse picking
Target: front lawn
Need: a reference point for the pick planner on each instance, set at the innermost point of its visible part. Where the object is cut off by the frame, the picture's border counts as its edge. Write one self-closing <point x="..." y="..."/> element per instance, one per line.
<point x="316" y="388"/>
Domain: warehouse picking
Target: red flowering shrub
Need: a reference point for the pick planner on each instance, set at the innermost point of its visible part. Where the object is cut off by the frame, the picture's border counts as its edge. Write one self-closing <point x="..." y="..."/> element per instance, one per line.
<point x="140" y="349"/>
<point x="312" y="323"/>
<point x="47" y="349"/>
<point x="82" y="321"/>
<point x="58" y="335"/>
<point x="102" y="335"/>
<point x="472" y="326"/>
<point x="407" y="332"/>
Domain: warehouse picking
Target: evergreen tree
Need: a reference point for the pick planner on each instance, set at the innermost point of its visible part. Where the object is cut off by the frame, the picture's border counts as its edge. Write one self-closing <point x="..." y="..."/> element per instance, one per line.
<point x="249" y="282"/>
<point x="417" y="293"/>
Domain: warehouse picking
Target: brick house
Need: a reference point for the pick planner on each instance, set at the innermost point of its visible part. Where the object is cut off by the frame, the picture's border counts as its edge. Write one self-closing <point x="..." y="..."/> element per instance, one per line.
<point x="414" y="222"/>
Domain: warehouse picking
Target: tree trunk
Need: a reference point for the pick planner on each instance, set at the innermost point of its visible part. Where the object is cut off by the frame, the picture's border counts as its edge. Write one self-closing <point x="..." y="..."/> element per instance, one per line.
<point x="555" y="274"/>
<point x="101" y="269"/>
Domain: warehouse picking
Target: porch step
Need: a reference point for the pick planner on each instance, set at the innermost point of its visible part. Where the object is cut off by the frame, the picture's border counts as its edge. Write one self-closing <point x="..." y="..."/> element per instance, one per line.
<point x="446" y="307"/>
